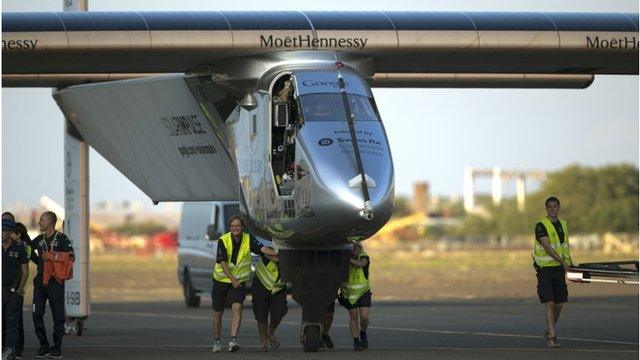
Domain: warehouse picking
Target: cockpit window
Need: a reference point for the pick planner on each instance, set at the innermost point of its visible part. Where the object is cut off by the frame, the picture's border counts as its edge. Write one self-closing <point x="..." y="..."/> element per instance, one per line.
<point x="329" y="107"/>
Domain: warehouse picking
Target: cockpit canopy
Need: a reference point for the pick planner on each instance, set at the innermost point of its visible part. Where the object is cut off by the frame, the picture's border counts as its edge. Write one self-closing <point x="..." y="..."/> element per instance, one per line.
<point x="330" y="107"/>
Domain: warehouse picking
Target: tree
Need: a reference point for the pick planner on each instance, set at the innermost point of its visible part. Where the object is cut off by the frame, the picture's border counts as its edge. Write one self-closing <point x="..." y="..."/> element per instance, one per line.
<point x="593" y="200"/>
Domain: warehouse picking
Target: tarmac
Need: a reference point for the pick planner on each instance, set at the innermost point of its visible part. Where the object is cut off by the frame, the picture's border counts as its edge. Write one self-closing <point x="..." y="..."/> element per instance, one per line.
<point x="589" y="328"/>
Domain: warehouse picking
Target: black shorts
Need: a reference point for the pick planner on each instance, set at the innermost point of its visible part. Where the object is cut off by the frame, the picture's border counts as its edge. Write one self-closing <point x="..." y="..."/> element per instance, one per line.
<point x="552" y="285"/>
<point x="223" y="292"/>
<point x="363" y="301"/>
<point x="265" y="303"/>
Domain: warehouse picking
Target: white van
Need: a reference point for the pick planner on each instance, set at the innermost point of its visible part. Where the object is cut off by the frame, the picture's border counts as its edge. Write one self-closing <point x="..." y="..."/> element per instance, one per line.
<point x="201" y="225"/>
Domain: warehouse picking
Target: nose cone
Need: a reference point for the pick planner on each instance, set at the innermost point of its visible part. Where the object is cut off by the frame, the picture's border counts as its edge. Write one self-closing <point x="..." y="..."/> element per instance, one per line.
<point x="330" y="151"/>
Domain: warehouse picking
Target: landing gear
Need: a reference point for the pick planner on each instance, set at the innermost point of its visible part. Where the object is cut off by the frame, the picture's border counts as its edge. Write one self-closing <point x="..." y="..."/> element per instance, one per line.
<point x="310" y="337"/>
<point x="315" y="276"/>
<point x="74" y="326"/>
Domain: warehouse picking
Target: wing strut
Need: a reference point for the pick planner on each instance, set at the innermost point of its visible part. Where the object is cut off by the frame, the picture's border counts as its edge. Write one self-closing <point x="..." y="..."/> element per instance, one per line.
<point x="367" y="212"/>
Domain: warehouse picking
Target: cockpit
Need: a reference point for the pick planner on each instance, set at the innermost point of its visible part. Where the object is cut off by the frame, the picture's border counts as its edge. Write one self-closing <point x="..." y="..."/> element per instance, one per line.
<point x="330" y="107"/>
<point x="310" y="97"/>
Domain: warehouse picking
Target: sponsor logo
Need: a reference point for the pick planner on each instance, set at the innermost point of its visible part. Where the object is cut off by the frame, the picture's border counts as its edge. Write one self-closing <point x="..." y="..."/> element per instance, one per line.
<point x="20" y="44"/>
<point x="312" y="83"/>
<point x="612" y="43"/>
<point x="306" y="41"/>
<point x="325" y="142"/>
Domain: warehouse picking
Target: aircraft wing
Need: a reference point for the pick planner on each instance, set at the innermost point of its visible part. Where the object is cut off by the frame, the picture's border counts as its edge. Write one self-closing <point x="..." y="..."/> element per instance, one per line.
<point x="416" y="49"/>
<point x="156" y="134"/>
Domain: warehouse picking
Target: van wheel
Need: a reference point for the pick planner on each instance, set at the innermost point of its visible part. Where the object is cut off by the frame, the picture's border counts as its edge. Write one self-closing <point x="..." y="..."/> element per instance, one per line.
<point x="190" y="297"/>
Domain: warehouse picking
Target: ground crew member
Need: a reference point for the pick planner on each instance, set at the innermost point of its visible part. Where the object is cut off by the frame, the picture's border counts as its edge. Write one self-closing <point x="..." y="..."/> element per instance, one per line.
<point x="21" y="237"/>
<point x="231" y="270"/>
<point x="327" y="343"/>
<point x="552" y="259"/>
<point x="269" y="296"/>
<point x="49" y="241"/>
<point x="355" y="296"/>
<point x="8" y="216"/>
<point x="15" y="271"/>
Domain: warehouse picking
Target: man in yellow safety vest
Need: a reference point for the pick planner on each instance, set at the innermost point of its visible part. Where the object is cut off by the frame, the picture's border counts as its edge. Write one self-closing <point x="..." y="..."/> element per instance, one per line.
<point x="269" y="296"/>
<point x="355" y="296"/>
<point x="552" y="259"/>
<point x="230" y="272"/>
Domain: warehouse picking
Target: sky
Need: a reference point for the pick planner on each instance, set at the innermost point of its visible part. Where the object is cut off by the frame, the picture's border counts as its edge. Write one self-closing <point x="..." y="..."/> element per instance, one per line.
<point x="433" y="133"/>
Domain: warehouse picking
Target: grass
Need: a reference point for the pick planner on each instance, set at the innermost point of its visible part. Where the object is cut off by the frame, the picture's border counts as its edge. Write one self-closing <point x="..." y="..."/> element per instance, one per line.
<point x="495" y="274"/>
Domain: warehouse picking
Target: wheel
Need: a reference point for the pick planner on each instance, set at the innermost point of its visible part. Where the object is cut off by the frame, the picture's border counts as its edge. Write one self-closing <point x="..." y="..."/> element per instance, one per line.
<point x="190" y="297"/>
<point x="311" y="339"/>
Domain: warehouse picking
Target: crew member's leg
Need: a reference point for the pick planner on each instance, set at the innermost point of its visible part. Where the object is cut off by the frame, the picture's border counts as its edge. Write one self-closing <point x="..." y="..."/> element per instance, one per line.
<point x="39" y="302"/>
<point x="560" y="293"/>
<point x="219" y="298"/>
<point x="549" y="318"/>
<point x="557" y="309"/>
<point x="363" y="312"/>
<point x="260" y="301"/>
<point x="56" y="302"/>
<point x="547" y="297"/>
<point x="11" y="308"/>
<point x="20" y="347"/>
<point x="236" y="320"/>
<point x="236" y="297"/>
<point x="278" y="309"/>
<point x="327" y="343"/>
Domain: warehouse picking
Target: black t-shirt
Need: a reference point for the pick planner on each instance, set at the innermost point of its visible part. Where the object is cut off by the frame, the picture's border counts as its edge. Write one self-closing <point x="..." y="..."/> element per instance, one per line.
<point x="254" y="245"/>
<point x="12" y="259"/>
<point x="41" y="244"/>
<point x="541" y="231"/>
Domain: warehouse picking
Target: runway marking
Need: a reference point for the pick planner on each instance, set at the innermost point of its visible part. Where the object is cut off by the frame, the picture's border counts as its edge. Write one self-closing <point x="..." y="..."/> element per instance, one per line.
<point x="448" y="332"/>
<point x="389" y="348"/>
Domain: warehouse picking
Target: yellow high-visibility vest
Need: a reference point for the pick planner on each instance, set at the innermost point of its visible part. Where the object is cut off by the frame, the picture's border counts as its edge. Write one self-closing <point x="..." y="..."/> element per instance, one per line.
<point x="241" y="270"/>
<point x="269" y="276"/>
<point x="540" y="254"/>
<point x="357" y="284"/>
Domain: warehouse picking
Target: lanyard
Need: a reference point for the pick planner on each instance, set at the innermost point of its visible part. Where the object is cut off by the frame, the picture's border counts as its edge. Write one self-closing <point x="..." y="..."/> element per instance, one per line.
<point x="53" y="241"/>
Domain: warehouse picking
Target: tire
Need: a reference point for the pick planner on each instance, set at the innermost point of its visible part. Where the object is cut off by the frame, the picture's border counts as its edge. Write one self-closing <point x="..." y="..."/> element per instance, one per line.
<point x="191" y="299"/>
<point x="311" y="340"/>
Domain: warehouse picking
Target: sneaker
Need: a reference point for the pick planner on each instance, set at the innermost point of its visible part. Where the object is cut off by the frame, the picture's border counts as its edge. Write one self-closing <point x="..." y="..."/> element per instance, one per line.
<point x="42" y="353"/>
<point x="216" y="347"/>
<point x="552" y="342"/>
<point x="233" y="346"/>
<point x="363" y="340"/>
<point x="357" y="346"/>
<point x="55" y="354"/>
<point x="326" y="342"/>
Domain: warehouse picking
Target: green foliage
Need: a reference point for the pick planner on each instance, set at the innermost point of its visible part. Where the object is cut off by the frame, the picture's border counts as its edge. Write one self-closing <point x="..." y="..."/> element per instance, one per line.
<point x="593" y="200"/>
<point x="138" y="228"/>
<point x="401" y="206"/>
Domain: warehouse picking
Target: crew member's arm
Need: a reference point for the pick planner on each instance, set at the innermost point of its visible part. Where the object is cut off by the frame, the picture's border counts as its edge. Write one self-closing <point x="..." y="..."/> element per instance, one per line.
<point x="544" y="241"/>
<point x="257" y="248"/>
<point x="34" y="256"/>
<point x="227" y="272"/>
<point x="362" y="262"/>
<point x="24" y="272"/>
<point x="66" y="246"/>
<point x="221" y="258"/>
<point x="272" y="258"/>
